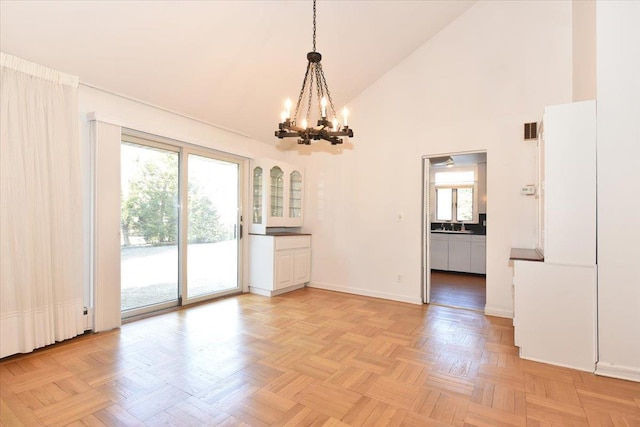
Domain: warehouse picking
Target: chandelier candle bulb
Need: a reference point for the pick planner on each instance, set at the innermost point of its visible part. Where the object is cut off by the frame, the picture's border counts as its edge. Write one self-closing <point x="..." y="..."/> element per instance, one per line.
<point x="287" y="106"/>
<point x="304" y="123"/>
<point x="284" y="116"/>
<point x="345" y="114"/>
<point x="335" y="124"/>
<point x="323" y="104"/>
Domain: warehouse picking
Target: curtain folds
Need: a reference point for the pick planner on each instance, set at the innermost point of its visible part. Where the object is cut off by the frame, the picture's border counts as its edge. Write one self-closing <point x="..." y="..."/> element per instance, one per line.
<point x="41" y="293"/>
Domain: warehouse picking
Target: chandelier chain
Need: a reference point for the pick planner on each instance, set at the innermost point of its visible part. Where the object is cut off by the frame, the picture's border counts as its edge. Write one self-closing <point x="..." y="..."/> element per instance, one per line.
<point x="310" y="98"/>
<point x="326" y="86"/>
<point x="314" y="25"/>
<point x="304" y="83"/>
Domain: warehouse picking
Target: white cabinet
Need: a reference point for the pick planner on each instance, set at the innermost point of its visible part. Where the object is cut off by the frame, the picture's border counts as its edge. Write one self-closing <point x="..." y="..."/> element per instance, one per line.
<point x="555" y="313"/>
<point x="277" y="195"/>
<point x="569" y="180"/>
<point x="555" y="301"/>
<point x="479" y="254"/>
<point x="279" y="263"/>
<point x="463" y="253"/>
<point x="460" y="253"/>
<point x="439" y="251"/>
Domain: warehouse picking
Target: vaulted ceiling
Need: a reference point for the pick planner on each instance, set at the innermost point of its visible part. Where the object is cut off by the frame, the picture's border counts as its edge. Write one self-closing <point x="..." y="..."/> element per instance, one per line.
<point x="227" y="63"/>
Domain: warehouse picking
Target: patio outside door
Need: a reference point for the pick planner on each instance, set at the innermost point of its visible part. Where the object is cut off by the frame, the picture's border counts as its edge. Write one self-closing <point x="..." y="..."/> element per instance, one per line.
<point x="213" y="227"/>
<point x="180" y="225"/>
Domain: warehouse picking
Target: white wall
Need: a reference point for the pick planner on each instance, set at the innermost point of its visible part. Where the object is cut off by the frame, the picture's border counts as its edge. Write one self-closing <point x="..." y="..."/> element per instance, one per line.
<point x="584" y="50"/>
<point x="138" y="116"/>
<point x="470" y="88"/>
<point x="618" y="79"/>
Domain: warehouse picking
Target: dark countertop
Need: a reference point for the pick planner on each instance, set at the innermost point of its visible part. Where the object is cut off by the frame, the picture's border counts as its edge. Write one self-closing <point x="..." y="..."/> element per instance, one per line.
<point x="524" y="254"/>
<point x="471" y="232"/>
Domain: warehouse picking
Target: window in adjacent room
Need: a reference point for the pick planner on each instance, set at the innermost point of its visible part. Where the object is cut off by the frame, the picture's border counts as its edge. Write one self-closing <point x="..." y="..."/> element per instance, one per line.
<point x="456" y="195"/>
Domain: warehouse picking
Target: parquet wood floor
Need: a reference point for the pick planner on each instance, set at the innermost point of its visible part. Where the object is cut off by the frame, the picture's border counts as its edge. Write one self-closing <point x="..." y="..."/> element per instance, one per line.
<point x="310" y="357"/>
<point x="458" y="290"/>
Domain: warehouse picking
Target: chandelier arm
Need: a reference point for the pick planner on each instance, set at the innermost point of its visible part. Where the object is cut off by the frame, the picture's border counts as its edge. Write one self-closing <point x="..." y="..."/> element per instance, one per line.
<point x="304" y="84"/>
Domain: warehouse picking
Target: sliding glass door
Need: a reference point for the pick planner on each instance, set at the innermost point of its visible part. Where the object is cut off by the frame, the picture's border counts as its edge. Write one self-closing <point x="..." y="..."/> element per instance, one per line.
<point x="213" y="226"/>
<point x="180" y="227"/>
<point x="149" y="226"/>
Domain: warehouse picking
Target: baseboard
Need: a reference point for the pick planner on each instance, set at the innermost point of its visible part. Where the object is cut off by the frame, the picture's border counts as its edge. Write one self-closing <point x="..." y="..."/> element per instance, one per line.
<point x="616" y="371"/>
<point x="364" y="292"/>
<point x="498" y="312"/>
<point x="267" y="293"/>
<point x="590" y="368"/>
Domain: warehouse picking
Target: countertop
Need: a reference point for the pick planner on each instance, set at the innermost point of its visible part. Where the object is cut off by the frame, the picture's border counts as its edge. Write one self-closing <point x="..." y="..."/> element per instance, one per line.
<point x="477" y="233"/>
<point x="524" y="254"/>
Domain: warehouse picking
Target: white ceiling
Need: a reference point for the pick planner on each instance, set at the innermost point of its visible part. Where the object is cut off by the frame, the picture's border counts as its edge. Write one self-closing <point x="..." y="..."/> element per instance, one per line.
<point x="228" y="63"/>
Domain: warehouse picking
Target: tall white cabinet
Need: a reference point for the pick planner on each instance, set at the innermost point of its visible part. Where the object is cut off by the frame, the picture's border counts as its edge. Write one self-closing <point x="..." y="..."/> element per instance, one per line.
<point x="280" y="253"/>
<point x="555" y="300"/>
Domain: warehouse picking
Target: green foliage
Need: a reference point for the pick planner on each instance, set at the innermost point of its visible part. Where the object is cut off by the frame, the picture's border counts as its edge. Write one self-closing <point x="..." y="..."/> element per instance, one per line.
<point x="150" y="209"/>
<point x="204" y="220"/>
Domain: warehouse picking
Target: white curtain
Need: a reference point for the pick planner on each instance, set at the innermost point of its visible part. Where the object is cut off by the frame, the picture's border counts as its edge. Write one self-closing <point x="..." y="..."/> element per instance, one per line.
<point x="41" y="295"/>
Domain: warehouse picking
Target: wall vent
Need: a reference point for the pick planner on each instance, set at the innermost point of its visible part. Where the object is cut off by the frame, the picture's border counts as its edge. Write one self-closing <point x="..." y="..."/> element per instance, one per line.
<point x="530" y="131"/>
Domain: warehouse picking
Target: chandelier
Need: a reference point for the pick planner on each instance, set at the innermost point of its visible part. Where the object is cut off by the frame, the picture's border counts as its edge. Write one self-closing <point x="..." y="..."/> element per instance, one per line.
<point x="329" y="130"/>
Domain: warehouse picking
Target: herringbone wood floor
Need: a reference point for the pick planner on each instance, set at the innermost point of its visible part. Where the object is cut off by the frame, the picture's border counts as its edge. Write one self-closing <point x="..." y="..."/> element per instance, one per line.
<point x="310" y="357"/>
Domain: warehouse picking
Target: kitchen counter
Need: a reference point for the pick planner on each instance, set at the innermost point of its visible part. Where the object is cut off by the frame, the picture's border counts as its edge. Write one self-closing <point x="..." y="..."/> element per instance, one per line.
<point x="458" y="232"/>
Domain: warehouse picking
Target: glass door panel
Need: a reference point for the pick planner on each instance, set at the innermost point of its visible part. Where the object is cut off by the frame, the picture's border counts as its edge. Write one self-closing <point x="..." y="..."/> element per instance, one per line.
<point x="149" y="226"/>
<point x="257" y="195"/>
<point x="277" y="192"/>
<point x="213" y="226"/>
<point x="295" y="195"/>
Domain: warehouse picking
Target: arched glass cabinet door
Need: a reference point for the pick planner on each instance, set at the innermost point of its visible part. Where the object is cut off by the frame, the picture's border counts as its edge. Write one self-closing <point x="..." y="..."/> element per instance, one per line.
<point x="257" y="195"/>
<point x="295" y="195"/>
<point x="276" y="208"/>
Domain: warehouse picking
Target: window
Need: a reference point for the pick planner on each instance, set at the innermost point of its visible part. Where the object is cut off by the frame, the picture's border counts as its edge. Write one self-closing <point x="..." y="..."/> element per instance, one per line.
<point x="456" y="195"/>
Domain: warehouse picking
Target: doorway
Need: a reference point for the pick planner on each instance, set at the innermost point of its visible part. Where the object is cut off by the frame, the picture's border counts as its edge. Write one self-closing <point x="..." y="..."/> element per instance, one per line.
<point x="454" y="230"/>
<point x="180" y="225"/>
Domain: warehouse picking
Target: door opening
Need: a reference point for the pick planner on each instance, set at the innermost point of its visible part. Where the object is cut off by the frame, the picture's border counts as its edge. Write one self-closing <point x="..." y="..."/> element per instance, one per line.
<point x="454" y="230"/>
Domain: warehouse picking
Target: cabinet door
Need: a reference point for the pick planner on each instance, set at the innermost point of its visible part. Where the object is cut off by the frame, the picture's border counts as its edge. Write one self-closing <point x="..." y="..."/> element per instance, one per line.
<point x="439" y="252"/>
<point x="460" y="253"/>
<point x="302" y="265"/>
<point x="284" y="269"/>
<point x="478" y="257"/>
<point x="276" y="194"/>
